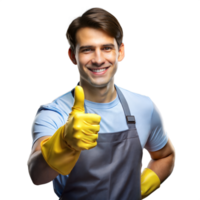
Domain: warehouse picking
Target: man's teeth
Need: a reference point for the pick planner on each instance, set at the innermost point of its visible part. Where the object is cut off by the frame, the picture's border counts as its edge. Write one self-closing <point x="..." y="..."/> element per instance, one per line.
<point x="98" y="70"/>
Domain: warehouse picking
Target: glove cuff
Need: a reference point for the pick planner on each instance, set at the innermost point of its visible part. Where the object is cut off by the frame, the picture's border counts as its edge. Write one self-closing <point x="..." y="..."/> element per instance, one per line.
<point x="58" y="155"/>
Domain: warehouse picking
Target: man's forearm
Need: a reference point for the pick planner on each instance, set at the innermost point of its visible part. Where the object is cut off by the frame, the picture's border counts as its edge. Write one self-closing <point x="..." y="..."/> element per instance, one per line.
<point x="163" y="167"/>
<point x="39" y="170"/>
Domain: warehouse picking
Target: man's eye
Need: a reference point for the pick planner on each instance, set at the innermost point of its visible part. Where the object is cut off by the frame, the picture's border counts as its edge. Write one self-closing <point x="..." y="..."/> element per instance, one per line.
<point x="86" y="49"/>
<point x="107" y="48"/>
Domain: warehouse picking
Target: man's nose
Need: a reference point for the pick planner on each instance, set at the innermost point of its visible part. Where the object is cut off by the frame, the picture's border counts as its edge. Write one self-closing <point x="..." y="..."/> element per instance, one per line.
<point x="98" y="58"/>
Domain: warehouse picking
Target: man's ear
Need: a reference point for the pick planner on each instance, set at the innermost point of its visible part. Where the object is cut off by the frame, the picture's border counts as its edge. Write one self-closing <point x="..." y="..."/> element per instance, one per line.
<point x="72" y="56"/>
<point x="121" y="53"/>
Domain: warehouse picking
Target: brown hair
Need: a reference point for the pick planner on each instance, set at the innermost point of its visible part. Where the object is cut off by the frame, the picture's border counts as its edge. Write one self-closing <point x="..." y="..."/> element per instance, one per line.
<point x="95" y="18"/>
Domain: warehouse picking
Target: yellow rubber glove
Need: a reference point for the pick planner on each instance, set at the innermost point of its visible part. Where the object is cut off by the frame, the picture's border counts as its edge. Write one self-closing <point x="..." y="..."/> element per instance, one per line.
<point x="149" y="182"/>
<point x="62" y="150"/>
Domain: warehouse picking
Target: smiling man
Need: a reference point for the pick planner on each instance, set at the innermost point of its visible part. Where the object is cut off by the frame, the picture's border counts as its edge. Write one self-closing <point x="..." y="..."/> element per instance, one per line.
<point x="90" y="140"/>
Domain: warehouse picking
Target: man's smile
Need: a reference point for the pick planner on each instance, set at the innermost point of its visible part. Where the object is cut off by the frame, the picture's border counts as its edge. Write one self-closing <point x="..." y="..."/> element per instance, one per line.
<point x="99" y="71"/>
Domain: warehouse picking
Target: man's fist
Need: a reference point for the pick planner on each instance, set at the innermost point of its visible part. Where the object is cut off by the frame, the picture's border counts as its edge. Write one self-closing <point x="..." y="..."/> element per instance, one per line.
<point x="81" y="129"/>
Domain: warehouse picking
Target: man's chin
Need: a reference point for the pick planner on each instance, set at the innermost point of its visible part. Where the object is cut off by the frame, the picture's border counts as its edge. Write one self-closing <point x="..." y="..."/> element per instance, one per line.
<point x="100" y="84"/>
<point x="97" y="83"/>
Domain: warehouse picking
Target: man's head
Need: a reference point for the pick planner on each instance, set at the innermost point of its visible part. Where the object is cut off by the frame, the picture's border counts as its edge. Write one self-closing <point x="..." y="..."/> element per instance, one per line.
<point x="96" y="18"/>
<point x="95" y="41"/>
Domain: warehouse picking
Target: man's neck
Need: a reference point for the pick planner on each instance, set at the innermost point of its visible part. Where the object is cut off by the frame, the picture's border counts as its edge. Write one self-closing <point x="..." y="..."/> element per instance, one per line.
<point x="99" y="95"/>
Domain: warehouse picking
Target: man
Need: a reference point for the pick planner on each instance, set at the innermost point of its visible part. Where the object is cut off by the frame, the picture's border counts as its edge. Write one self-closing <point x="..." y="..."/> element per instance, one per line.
<point x="89" y="141"/>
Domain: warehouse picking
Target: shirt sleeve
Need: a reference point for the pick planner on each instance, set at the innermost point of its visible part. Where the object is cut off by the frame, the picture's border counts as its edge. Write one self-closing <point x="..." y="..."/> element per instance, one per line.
<point x="46" y="122"/>
<point x="157" y="138"/>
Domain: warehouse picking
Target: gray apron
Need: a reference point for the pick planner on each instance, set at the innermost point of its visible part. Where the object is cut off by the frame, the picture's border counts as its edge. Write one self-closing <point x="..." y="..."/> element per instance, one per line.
<point x="111" y="170"/>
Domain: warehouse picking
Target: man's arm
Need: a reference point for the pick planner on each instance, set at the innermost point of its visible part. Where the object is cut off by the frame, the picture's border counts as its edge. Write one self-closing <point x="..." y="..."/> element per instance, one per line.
<point x="163" y="160"/>
<point x="39" y="170"/>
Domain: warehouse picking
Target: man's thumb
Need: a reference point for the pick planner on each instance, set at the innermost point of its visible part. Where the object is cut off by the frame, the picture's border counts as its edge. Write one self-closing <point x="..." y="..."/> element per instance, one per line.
<point x="78" y="100"/>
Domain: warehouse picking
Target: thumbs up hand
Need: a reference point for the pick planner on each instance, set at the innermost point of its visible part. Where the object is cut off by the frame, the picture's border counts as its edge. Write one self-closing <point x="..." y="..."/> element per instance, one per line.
<point x="62" y="150"/>
<point x="81" y="129"/>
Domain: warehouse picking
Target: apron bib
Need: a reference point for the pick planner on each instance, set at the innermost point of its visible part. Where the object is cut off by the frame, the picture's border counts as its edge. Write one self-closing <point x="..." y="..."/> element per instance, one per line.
<point x="111" y="170"/>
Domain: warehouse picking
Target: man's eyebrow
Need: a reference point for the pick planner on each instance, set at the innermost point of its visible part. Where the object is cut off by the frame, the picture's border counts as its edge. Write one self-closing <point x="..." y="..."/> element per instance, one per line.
<point x="90" y="46"/>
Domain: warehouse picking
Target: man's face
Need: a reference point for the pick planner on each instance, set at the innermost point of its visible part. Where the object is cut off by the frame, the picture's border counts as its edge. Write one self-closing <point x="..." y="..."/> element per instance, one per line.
<point x="97" y="56"/>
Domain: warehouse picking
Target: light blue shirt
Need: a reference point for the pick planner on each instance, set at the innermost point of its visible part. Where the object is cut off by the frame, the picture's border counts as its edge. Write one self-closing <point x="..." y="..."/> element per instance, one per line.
<point x="148" y="121"/>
